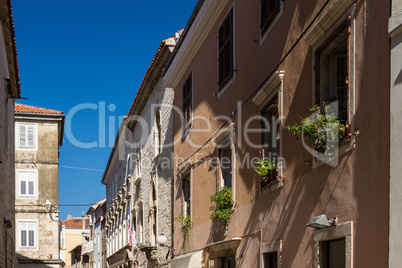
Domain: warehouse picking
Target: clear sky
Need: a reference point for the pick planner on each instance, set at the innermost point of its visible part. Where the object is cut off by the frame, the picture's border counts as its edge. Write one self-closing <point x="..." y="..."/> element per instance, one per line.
<point x="89" y="53"/>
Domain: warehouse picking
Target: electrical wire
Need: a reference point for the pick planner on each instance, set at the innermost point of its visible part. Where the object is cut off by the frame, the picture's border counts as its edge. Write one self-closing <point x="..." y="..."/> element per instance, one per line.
<point x="263" y="83"/>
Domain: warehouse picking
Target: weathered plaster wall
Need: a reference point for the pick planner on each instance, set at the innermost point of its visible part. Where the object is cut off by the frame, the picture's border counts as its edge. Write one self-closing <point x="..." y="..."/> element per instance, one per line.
<point x="356" y="190"/>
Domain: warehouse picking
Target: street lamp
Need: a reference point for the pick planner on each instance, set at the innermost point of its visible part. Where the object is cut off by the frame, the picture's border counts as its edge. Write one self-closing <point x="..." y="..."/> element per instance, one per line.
<point x="321" y="221"/>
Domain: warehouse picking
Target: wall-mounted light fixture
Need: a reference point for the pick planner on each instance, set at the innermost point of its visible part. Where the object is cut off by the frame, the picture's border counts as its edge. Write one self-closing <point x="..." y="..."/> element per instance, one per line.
<point x="322" y="221"/>
<point x="161" y="239"/>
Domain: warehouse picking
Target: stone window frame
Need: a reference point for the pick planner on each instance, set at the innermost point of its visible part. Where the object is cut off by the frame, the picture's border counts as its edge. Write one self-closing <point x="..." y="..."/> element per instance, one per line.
<point x="226" y="135"/>
<point x="36" y="186"/>
<point x="184" y="173"/>
<point x="273" y="87"/>
<point x="270" y="247"/>
<point x="36" y="236"/>
<point x="340" y="231"/>
<point x="35" y="136"/>
<point x="319" y="34"/>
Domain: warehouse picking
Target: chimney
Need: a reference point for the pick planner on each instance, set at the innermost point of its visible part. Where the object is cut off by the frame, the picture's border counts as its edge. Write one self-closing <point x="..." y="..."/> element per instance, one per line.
<point x="69" y="216"/>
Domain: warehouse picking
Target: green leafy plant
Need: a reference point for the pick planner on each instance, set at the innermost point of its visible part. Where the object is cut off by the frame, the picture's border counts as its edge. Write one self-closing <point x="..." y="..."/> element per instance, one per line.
<point x="222" y="207"/>
<point x="323" y="129"/>
<point x="267" y="170"/>
<point x="186" y="221"/>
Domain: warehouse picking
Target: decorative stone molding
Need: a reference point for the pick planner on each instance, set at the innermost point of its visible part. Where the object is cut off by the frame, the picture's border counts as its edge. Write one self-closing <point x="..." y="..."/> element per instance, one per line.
<point x="268" y="88"/>
<point x="224" y="133"/>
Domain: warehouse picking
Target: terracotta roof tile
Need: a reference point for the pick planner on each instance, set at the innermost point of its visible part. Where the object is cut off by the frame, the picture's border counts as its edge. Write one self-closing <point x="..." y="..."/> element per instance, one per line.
<point x="74" y="222"/>
<point x="23" y="108"/>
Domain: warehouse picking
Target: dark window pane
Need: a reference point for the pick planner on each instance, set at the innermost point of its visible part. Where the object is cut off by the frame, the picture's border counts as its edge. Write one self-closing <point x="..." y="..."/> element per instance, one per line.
<point x="23" y="238"/>
<point x="270" y="260"/>
<point x="333" y="254"/>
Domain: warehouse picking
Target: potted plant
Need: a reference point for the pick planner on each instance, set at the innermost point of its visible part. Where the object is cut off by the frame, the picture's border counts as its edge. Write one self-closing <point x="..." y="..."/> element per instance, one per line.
<point x="267" y="170"/>
<point x="324" y="129"/>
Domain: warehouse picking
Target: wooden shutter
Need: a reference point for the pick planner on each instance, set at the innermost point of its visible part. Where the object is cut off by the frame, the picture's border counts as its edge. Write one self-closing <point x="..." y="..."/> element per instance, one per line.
<point x="225" y="57"/>
<point x="30" y="136"/>
<point x="31" y="238"/>
<point x="187" y="97"/>
<point x="22" y="136"/>
<point x="23" y="235"/>
<point x="269" y="10"/>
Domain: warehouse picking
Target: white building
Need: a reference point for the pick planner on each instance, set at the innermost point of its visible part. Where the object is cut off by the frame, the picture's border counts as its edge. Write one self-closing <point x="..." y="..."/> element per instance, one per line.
<point x="139" y="174"/>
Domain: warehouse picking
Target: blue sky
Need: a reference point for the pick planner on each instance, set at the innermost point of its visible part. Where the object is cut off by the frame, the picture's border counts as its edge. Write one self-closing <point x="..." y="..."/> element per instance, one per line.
<point x="73" y="52"/>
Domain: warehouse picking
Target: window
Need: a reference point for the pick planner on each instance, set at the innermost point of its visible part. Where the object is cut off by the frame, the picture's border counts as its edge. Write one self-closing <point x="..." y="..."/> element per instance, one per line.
<point x="332" y="75"/>
<point x="270" y="130"/>
<point x="27" y="181"/>
<point x="140" y="224"/>
<point x="225" y="166"/>
<point x="270" y="260"/>
<point x="269" y="10"/>
<point x="157" y="133"/>
<point x="333" y="246"/>
<point x="333" y="253"/>
<point x="27" y="136"/>
<point x="225" y="163"/>
<point x="153" y="215"/>
<point x="270" y="254"/>
<point x="186" y="195"/>
<point x="225" y="46"/>
<point x="138" y="162"/>
<point x="27" y="234"/>
<point x="187" y="103"/>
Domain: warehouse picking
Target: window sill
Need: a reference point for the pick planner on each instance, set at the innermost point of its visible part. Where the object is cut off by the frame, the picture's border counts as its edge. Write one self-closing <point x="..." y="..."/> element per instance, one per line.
<point x="272" y="186"/>
<point x="343" y="149"/>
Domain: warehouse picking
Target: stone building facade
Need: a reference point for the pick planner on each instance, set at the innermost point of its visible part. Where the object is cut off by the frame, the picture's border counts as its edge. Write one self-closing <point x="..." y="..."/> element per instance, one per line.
<point x="138" y="182"/>
<point x="38" y="136"/>
<point x="9" y="91"/>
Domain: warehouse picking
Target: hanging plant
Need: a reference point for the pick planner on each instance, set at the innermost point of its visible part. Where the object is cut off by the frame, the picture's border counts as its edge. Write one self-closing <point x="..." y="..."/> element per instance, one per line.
<point x="186" y="221"/>
<point x="222" y="207"/>
<point x="323" y="129"/>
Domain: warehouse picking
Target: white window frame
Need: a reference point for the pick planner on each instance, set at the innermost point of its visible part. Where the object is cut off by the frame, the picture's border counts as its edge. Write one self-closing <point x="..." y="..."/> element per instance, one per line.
<point x="339" y="231"/>
<point x="20" y="229"/>
<point x="35" y="180"/>
<point x="271" y="247"/>
<point x="35" y="137"/>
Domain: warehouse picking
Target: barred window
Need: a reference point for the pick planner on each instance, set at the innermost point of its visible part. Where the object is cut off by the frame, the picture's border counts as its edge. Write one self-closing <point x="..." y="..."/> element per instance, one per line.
<point x="187" y="102"/>
<point x="269" y="10"/>
<point x="225" y="60"/>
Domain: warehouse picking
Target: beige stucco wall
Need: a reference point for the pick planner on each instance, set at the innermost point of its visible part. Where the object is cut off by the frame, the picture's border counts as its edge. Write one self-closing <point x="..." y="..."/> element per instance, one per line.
<point x="73" y="239"/>
<point x="356" y="190"/>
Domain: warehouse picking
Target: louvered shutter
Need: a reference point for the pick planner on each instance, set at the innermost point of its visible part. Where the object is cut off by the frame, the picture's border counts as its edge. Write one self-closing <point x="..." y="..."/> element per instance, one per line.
<point x="225" y="57"/>
<point x="187" y="97"/>
<point x="31" y="238"/>
<point x="269" y="10"/>
<point x="31" y="188"/>
<point x="23" y="237"/>
<point x="30" y="136"/>
<point x="22" y="136"/>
